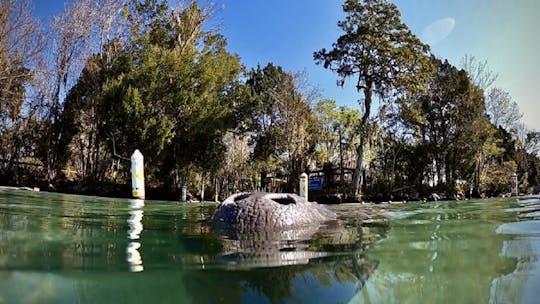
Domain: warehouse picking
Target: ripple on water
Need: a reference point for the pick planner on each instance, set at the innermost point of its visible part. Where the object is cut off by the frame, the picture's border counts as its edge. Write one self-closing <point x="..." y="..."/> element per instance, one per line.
<point x="531" y="199"/>
<point x="527" y="208"/>
<point x="523" y="245"/>
<point x="533" y="215"/>
<point x="398" y="215"/>
<point x="523" y="227"/>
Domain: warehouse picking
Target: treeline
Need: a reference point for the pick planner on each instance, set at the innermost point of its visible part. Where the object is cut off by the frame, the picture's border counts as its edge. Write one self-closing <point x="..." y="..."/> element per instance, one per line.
<point x="107" y="77"/>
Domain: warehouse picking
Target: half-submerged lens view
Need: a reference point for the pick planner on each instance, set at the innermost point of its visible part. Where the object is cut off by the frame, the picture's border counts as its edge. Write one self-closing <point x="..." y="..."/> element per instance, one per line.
<point x="67" y="248"/>
<point x="226" y="151"/>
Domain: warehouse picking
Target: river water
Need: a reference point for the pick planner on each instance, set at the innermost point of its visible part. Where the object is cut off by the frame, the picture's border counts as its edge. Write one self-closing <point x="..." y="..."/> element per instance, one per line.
<point x="58" y="248"/>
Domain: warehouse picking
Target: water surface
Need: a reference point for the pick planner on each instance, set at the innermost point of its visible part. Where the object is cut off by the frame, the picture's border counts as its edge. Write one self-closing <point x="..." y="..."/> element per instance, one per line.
<point x="58" y="248"/>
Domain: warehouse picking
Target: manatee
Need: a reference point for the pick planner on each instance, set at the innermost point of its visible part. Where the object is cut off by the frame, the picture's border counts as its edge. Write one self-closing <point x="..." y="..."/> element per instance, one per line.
<point x="262" y="211"/>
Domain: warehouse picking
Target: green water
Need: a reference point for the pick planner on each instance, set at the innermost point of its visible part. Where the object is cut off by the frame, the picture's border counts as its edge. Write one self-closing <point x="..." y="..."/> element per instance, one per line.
<point x="74" y="249"/>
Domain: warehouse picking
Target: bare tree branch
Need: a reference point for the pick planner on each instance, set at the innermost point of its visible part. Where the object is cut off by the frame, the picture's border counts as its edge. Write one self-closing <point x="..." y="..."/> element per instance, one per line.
<point x="479" y="72"/>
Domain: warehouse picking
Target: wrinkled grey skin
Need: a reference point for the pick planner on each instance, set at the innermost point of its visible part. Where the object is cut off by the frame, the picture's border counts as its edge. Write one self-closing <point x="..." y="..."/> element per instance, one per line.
<point x="268" y="241"/>
<point x="270" y="212"/>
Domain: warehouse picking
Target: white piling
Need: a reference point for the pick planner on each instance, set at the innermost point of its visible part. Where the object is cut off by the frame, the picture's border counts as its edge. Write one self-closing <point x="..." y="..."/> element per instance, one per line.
<point x="303" y="186"/>
<point x="137" y="174"/>
<point x="184" y="194"/>
<point x="515" y="187"/>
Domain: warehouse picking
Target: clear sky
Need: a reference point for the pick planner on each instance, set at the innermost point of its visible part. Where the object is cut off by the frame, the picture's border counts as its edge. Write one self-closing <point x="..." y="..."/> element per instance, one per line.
<point x="287" y="32"/>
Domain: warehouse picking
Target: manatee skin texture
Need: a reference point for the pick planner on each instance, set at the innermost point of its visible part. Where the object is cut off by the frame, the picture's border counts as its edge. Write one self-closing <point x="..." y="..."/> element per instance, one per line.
<point x="262" y="211"/>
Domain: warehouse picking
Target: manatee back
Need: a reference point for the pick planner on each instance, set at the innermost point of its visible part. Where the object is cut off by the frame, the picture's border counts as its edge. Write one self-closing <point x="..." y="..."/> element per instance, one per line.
<point x="270" y="211"/>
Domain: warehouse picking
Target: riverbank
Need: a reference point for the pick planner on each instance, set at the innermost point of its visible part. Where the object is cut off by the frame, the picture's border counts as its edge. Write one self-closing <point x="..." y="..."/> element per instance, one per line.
<point x="102" y="189"/>
<point x="116" y="190"/>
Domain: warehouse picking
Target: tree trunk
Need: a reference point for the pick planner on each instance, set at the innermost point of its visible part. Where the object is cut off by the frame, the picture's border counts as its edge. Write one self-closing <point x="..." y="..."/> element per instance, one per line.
<point x="357" y="181"/>
<point x="448" y="171"/>
<point x="393" y="171"/>
<point x="263" y="182"/>
<point x="296" y="168"/>
<point x="216" y="190"/>
<point x="97" y="165"/>
<point x="477" y="175"/>
<point x="341" y="171"/>
<point x="437" y="171"/>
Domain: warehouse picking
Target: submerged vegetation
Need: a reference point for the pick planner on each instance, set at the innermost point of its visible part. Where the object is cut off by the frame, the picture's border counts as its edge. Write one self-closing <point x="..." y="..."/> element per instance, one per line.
<point x="106" y="77"/>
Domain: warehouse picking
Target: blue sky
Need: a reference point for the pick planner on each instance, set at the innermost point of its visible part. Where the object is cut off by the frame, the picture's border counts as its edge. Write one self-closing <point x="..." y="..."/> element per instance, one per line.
<point x="285" y="32"/>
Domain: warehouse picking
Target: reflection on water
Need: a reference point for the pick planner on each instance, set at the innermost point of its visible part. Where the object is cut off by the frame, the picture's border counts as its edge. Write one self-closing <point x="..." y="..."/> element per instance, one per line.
<point x="134" y="257"/>
<point x="75" y="249"/>
<point x="36" y="287"/>
<point x="269" y="248"/>
<point x="521" y="285"/>
<point x="468" y="252"/>
<point x="60" y="248"/>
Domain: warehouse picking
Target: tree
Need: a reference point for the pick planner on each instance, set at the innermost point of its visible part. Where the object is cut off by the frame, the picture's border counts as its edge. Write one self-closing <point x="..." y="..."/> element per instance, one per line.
<point x="479" y="72"/>
<point x="69" y="33"/>
<point x="237" y="168"/>
<point x="329" y="141"/>
<point x="21" y="46"/>
<point x="85" y="27"/>
<point x="338" y="134"/>
<point x="83" y="139"/>
<point x="109" y="24"/>
<point x="449" y="121"/>
<point x="499" y="163"/>
<point x="178" y="95"/>
<point x="382" y="53"/>
<point x="502" y="110"/>
<point x="527" y="144"/>
<point x="281" y="122"/>
<point x="526" y="139"/>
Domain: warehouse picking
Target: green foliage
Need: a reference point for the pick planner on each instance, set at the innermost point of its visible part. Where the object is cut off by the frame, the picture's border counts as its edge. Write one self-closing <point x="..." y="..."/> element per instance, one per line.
<point x="497" y="181"/>
<point x="178" y="97"/>
<point x="339" y="129"/>
<point x="447" y="141"/>
<point x="267" y="85"/>
<point x="80" y="126"/>
<point x="168" y="86"/>
<point x="529" y="161"/>
<point x="20" y="44"/>
<point x="172" y="92"/>
<point x="376" y="48"/>
<point x="281" y="122"/>
<point x="449" y="120"/>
